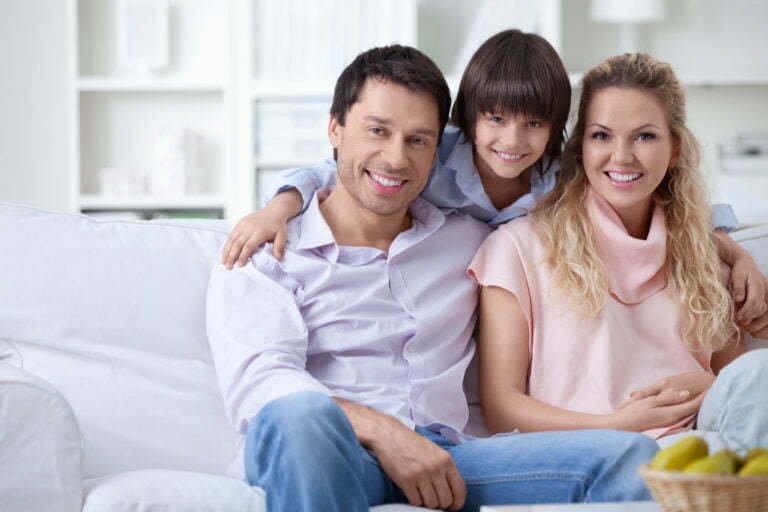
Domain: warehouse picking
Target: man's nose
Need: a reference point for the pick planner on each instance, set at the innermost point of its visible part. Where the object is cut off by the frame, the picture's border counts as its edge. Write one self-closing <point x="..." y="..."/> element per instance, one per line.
<point x="395" y="154"/>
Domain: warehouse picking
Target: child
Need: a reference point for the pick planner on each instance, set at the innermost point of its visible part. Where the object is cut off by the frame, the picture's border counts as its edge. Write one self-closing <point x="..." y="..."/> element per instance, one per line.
<point x="606" y="307"/>
<point x="500" y="156"/>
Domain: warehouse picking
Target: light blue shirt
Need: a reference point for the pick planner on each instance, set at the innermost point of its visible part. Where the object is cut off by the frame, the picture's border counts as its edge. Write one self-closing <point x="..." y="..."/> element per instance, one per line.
<point x="383" y="329"/>
<point x="454" y="182"/>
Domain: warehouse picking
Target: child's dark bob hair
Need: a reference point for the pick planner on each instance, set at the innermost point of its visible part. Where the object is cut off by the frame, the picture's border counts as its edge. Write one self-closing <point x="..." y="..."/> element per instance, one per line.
<point x="519" y="73"/>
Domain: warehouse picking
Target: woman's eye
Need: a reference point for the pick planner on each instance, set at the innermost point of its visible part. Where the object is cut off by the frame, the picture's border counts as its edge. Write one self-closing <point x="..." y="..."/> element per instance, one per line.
<point x="646" y="136"/>
<point x="376" y="131"/>
<point x="599" y="135"/>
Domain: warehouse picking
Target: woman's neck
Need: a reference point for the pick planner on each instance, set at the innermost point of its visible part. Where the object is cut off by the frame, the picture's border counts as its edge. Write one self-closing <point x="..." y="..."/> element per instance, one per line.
<point x="637" y="218"/>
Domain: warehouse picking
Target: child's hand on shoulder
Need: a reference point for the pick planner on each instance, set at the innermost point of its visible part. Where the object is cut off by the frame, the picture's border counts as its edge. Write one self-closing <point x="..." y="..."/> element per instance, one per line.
<point x="750" y="289"/>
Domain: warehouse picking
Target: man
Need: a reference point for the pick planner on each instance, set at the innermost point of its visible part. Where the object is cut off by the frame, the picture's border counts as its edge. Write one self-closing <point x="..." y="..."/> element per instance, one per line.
<point x="342" y="365"/>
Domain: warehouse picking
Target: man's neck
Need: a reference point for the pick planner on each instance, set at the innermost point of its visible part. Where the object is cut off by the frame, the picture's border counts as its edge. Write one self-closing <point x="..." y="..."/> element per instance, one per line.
<point x="354" y="225"/>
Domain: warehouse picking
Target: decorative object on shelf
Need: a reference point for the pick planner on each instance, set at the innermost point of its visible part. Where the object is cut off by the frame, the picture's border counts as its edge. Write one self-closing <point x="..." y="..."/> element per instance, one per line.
<point x="493" y="16"/>
<point x="176" y="163"/>
<point x="142" y="35"/>
<point x="746" y="154"/>
<point x="122" y="181"/>
<point x="628" y="14"/>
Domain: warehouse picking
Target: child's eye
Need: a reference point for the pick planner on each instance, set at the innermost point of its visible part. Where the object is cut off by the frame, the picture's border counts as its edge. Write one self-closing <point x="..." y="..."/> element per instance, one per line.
<point x="495" y="119"/>
<point x="535" y="124"/>
<point x="646" y="137"/>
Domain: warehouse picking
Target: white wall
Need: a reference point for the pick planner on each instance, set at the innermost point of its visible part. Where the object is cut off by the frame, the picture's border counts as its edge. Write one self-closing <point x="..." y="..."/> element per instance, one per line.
<point x="33" y="103"/>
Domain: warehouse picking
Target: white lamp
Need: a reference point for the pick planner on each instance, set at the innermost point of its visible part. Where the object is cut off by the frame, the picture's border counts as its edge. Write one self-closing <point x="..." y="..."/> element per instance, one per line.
<point x="628" y="13"/>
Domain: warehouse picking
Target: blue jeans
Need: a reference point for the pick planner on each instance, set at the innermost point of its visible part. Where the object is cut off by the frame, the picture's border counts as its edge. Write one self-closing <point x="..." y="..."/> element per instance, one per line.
<point x="736" y="405"/>
<point x="302" y="451"/>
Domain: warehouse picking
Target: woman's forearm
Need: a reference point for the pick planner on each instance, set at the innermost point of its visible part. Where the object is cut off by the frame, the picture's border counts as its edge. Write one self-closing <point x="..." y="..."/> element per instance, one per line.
<point x="522" y="412"/>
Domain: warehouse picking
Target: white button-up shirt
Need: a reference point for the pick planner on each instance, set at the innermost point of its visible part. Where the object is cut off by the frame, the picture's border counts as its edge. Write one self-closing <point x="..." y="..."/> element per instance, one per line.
<point x="392" y="331"/>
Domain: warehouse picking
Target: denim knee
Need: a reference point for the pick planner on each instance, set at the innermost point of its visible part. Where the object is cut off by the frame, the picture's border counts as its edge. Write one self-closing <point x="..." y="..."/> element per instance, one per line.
<point x="746" y="367"/>
<point x="298" y="407"/>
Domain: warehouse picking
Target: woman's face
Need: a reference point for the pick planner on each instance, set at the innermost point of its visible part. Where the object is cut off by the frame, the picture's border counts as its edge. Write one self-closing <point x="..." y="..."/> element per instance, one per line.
<point x="627" y="148"/>
<point x="508" y="144"/>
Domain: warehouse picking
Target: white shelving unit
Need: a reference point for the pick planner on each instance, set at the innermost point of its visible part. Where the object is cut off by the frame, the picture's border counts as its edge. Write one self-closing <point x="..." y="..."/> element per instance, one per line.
<point x="227" y="72"/>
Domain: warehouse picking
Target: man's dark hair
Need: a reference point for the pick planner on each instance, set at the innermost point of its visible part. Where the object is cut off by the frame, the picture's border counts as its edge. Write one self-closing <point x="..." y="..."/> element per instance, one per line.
<point x="515" y="72"/>
<point x="402" y="65"/>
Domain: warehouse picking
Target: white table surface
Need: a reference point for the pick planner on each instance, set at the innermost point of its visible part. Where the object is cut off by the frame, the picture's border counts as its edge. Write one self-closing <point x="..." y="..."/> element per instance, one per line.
<point x="635" y="506"/>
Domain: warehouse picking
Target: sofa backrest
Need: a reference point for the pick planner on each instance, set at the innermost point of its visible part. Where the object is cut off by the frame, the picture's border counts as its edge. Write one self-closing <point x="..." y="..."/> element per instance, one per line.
<point x="113" y="315"/>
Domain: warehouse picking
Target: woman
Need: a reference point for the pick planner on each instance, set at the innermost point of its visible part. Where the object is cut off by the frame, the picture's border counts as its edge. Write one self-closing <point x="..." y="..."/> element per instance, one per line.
<point x="607" y="307"/>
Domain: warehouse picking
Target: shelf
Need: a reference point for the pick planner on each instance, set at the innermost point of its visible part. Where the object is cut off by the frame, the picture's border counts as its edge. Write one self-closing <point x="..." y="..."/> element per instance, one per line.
<point x="106" y="84"/>
<point x="95" y="202"/>
<point x="277" y="89"/>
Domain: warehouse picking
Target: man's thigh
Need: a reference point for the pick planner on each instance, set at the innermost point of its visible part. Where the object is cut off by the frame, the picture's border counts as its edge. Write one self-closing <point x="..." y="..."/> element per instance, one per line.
<point x="545" y="467"/>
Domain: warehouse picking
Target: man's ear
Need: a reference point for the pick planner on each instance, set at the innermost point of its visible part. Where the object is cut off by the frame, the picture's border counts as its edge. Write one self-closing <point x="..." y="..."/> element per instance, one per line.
<point x="334" y="131"/>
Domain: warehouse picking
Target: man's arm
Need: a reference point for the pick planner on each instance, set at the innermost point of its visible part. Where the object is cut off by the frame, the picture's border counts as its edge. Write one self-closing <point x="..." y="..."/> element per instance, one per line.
<point x="258" y="338"/>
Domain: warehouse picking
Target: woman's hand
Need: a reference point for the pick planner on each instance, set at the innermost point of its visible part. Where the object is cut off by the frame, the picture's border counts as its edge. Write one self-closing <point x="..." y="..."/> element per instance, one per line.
<point x="664" y="409"/>
<point x="266" y="225"/>
<point x="695" y="383"/>
<point x="758" y="328"/>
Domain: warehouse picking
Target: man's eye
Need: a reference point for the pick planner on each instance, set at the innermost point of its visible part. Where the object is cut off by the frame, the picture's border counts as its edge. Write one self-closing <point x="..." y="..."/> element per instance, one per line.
<point x="418" y="141"/>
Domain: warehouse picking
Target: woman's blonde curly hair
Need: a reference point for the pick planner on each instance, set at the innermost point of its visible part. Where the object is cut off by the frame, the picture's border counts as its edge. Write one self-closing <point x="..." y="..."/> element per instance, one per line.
<point x="693" y="263"/>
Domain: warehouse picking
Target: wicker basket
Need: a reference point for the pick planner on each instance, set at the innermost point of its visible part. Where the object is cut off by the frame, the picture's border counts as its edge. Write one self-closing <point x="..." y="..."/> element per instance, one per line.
<point x="682" y="492"/>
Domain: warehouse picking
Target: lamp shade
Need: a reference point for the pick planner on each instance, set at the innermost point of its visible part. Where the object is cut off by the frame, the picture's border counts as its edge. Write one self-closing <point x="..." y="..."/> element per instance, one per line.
<point x="627" y="11"/>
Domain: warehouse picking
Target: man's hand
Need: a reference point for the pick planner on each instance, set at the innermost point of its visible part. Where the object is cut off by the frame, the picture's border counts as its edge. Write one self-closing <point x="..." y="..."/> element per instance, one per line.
<point x="421" y="469"/>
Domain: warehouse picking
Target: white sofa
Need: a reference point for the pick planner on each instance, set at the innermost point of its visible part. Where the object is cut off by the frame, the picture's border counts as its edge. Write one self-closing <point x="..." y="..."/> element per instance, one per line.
<point x="108" y="398"/>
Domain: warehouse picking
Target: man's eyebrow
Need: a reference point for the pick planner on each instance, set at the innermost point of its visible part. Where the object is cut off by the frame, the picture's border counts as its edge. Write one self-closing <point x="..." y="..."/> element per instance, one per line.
<point x="387" y="122"/>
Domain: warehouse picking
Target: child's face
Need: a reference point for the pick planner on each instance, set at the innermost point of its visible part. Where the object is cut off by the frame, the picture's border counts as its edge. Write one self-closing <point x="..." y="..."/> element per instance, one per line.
<point x="627" y="147"/>
<point x="507" y="144"/>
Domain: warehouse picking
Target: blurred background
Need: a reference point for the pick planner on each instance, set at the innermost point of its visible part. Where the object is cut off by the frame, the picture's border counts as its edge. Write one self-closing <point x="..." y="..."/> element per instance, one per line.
<point x="188" y="108"/>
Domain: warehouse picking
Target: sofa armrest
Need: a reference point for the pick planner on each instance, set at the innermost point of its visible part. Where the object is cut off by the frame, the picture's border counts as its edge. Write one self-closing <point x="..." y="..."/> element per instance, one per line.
<point x="41" y="454"/>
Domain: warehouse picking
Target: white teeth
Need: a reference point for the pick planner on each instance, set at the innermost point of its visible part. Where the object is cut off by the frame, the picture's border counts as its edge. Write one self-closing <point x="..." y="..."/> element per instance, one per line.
<point x="384" y="181"/>
<point x="510" y="156"/>
<point x="624" y="177"/>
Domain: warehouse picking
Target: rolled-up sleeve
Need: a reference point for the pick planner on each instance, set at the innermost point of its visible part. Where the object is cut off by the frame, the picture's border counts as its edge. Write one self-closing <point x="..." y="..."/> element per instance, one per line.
<point x="258" y="338"/>
<point x="724" y="218"/>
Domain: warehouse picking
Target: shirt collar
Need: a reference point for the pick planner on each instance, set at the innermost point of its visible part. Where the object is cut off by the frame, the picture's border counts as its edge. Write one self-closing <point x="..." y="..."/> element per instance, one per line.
<point x="314" y="231"/>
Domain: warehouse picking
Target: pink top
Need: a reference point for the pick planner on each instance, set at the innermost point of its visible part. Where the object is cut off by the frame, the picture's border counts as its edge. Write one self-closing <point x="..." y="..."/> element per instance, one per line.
<point x="591" y="364"/>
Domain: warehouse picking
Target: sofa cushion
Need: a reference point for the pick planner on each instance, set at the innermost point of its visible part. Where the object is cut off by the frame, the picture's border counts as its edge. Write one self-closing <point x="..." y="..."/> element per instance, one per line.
<point x="181" y="491"/>
<point x="113" y="315"/>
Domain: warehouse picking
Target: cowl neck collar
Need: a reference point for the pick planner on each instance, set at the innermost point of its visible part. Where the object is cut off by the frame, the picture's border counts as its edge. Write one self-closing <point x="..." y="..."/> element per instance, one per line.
<point x="636" y="268"/>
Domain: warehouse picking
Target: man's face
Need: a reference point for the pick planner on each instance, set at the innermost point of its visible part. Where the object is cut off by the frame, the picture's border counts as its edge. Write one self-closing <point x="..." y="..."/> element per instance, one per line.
<point x="386" y="147"/>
